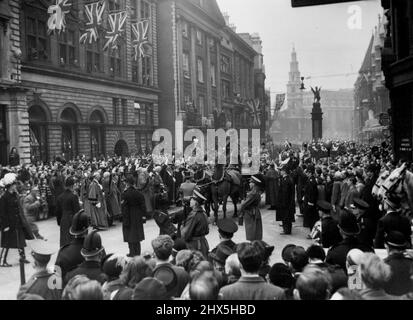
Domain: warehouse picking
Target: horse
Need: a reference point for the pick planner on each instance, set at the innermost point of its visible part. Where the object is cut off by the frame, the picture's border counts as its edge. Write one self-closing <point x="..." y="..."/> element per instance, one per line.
<point x="224" y="186"/>
<point x="398" y="182"/>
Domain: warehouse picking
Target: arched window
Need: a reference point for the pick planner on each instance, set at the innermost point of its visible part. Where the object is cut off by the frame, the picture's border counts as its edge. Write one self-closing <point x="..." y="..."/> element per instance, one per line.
<point x="97" y="134"/>
<point x="38" y="133"/>
<point x="68" y="121"/>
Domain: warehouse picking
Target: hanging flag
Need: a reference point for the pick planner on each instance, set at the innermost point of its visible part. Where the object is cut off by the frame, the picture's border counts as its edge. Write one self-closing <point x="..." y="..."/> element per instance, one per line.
<point x="255" y="107"/>
<point x="117" y="27"/>
<point x="140" y="41"/>
<point x="279" y="101"/>
<point x="94" y="12"/>
<point x="57" y="19"/>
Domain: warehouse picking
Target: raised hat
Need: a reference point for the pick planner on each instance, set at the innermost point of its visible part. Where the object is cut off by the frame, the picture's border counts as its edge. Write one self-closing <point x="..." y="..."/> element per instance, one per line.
<point x="348" y="223"/>
<point x="221" y="253"/>
<point x="150" y="289"/>
<point x="324" y="206"/>
<point x="396" y="239"/>
<point x="227" y="225"/>
<point x="92" y="245"/>
<point x="361" y="204"/>
<point x="80" y="223"/>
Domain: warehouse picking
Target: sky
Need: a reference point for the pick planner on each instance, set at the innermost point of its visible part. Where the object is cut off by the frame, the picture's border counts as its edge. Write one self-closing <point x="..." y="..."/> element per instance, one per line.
<point x="324" y="42"/>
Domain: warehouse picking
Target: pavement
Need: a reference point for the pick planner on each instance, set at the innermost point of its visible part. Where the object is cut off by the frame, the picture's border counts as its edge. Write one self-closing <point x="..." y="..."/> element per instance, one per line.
<point x="112" y="240"/>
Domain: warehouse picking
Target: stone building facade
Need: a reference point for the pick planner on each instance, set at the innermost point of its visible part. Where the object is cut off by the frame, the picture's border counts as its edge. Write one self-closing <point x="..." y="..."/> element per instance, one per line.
<point x="80" y="99"/>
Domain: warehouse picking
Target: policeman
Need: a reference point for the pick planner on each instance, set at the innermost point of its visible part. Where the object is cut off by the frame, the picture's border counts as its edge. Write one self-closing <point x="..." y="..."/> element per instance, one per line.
<point x="69" y="256"/>
<point x="400" y="263"/>
<point x="226" y="229"/>
<point x="330" y="234"/>
<point x="42" y="283"/>
<point x="366" y="223"/>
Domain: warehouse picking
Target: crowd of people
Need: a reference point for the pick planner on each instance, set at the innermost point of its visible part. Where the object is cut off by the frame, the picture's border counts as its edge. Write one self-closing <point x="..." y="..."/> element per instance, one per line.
<point x="346" y="222"/>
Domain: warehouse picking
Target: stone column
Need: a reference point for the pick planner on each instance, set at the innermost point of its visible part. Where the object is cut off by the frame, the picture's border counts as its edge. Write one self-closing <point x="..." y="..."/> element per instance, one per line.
<point x="317" y="121"/>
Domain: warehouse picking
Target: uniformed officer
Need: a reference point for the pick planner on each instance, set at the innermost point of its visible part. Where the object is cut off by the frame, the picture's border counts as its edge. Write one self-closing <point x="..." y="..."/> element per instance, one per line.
<point x="349" y="230"/>
<point x="226" y="229"/>
<point x="366" y="223"/>
<point x="195" y="226"/>
<point x="69" y="256"/>
<point x="400" y="263"/>
<point x="330" y="234"/>
<point x="43" y="283"/>
<point x="187" y="188"/>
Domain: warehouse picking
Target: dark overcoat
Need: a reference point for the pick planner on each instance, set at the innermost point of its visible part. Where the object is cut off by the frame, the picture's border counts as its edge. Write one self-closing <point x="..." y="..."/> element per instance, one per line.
<point x="310" y="201"/>
<point x="392" y="221"/>
<point x="11" y="217"/>
<point x="399" y="282"/>
<point x="133" y="212"/>
<point x="67" y="205"/>
<point x="69" y="256"/>
<point x="271" y="187"/>
<point x="285" y="198"/>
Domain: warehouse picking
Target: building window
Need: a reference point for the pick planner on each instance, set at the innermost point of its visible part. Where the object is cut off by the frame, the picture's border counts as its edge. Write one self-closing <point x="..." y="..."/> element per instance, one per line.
<point x="115" y="67"/>
<point x="137" y="109"/>
<point x="124" y="111"/>
<point x="185" y="29"/>
<point x="115" y="104"/>
<point x="145" y="10"/>
<point x="37" y="40"/>
<point x="213" y="75"/>
<point x="225" y="88"/>
<point x="93" y="57"/>
<point x="132" y="12"/>
<point x="200" y="67"/>
<point x="135" y="71"/>
<point x="199" y="38"/>
<point x="147" y="71"/>
<point x="201" y="104"/>
<point x="185" y="65"/>
<point x="149" y="114"/>
<point x="211" y="45"/>
<point x="68" y="53"/>
<point x="225" y="64"/>
<point x="138" y="141"/>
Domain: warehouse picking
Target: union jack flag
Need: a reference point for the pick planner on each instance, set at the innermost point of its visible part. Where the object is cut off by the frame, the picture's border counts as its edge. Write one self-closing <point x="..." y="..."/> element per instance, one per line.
<point x="57" y="19"/>
<point x="140" y="42"/>
<point x="94" y="12"/>
<point x="117" y="27"/>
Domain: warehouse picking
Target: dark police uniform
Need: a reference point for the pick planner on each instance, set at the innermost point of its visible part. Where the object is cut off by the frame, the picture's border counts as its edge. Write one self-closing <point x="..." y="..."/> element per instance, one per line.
<point x="69" y="256"/>
<point x="400" y="282"/>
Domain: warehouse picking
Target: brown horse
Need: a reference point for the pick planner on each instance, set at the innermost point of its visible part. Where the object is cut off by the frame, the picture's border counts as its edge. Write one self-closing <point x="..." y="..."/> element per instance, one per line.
<point x="224" y="186"/>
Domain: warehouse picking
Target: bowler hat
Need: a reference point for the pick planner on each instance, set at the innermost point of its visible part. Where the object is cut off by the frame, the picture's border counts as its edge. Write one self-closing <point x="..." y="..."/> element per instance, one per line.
<point x="221" y="253"/>
<point x="80" y="223"/>
<point x="287" y="251"/>
<point x="324" y="206"/>
<point x="150" y="289"/>
<point x="69" y="182"/>
<point x="348" y="223"/>
<point x="280" y="275"/>
<point x="227" y="226"/>
<point x="166" y="274"/>
<point x="396" y="239"/>
<point x="92" y="245"/>
<point x="265" y="248"/>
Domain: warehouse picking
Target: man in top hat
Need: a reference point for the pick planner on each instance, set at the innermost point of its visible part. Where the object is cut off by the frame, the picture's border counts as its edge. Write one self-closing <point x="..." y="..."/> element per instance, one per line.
<point x="400" y="263"/>
<point x="285" y="197"/>
<point x="69" y="256"/>
<point x="134" y="216"/>
<point x="42" y="282"/>
<point x="67" y="205"/>
<point x="367" y="224"/>
<point x="310" y="199"/>
<point x="195" y="226"/>
<point x="349" y="229"/>
<point x="392" y="221"/>
<point x="330" y="234"/>
<point x="92" y="252"/>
